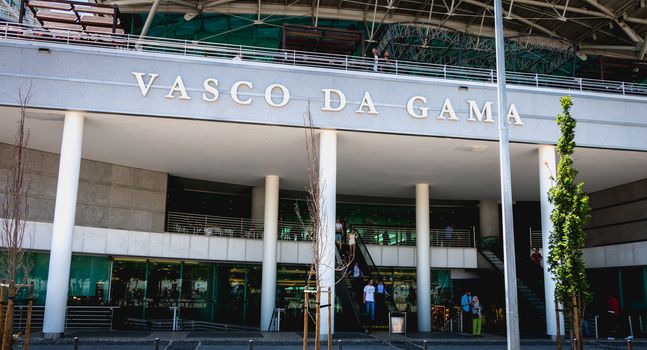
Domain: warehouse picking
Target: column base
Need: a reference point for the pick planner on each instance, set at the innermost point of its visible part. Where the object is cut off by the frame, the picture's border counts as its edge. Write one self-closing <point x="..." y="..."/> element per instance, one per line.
<point x="52" y="336"/>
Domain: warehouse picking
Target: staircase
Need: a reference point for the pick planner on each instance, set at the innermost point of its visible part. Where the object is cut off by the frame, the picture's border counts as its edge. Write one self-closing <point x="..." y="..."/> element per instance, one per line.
<point x="522" y="288"/>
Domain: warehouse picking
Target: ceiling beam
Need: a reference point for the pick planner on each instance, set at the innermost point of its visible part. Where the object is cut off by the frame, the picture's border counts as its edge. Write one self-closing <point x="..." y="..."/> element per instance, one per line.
<point x="216" y="3"/>
<point x="238" y="8"/>
<point x="612" y="16"/>
<point x="517" y="18"/>
<point x="128" y="2"/>
<point x="563" y="8"/>
<point x="184" y="3"/>
<point x="643" y="49"/>
<point x="609" y="47"/>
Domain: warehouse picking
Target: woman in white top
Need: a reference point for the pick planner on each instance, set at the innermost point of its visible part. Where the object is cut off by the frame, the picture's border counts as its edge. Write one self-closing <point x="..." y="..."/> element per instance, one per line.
<point x="352" y="236"/>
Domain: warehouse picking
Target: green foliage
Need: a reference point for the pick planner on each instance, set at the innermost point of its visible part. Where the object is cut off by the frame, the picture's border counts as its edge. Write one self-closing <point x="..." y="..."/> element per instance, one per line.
<point x="571" y="213"/>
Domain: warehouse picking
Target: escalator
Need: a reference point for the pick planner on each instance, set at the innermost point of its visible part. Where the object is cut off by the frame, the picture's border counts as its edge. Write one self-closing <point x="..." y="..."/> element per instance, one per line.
<point x="351" y="317"/>
<point x="372" y="271"/>
<point x="350" y="290"/>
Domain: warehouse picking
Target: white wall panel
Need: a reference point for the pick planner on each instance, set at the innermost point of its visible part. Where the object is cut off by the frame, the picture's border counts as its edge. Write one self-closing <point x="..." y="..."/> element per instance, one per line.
<point x="235" y="249"/>
<point x="618" y="255"/>
<point x="43" y="236"/>
<point x="305" y="253"/>
<point x="455" y="257"/>
<point x="469" y="258"/>
<point x="199" y="247"/>
<point x="376" y="253"/>
<point x="406" y="256"/>
<point x="640" y="253"/>
<point x="629" y="254"/>
<point x="77" y="239"/>
<point x="253" y="249"/>
<point x="139" y="243"/>
<point x="438" y="257"/>
<point x="288" y="252"/>
<point x="159" y="244"/>
<point x="389" y="256"/>
<point x="117" y="242"/>
<point x="218" y="248"/>
<point x="95" y="240"/>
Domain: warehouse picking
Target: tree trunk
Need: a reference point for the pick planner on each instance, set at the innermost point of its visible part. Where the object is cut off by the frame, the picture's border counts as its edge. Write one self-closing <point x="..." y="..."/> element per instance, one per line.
<point x="3" y="300"/>
<point x="577" y="323"/>
<point x="329" y="319"/>
<point x="29" y="310"/>
<point x="559" y="328"/>
<point x="318" y="320"/>
<point x="7" y="334"/>
<point x="305" y="319"/>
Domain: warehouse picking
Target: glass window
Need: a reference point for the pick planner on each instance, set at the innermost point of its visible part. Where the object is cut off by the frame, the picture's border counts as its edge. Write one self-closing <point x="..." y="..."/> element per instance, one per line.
<point x="163" y="289"/>
<point x="89" y="280"/>
<point x="38" y="266"/>
<point x="128" y="286"/>
<point x="197" y="285"/>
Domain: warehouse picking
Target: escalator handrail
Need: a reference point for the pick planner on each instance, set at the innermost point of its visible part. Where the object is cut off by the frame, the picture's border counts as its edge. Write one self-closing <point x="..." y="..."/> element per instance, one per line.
<point x="377" y="269"/>
<point x="373" y="265"/>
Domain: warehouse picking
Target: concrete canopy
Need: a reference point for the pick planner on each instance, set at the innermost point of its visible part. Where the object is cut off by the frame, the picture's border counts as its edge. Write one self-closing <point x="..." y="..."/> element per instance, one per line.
<point x="369" y="164"/>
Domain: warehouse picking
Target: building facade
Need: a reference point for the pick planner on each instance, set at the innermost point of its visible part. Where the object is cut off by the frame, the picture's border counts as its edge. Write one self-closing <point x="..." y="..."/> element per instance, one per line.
<point x="166" y="179"/>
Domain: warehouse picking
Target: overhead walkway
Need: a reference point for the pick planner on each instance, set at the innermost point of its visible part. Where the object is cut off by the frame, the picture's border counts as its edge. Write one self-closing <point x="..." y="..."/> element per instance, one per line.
<point x="14" y="31"/>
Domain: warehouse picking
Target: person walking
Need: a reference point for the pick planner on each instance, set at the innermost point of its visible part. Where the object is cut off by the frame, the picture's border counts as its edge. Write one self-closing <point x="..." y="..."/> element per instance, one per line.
<point x="613" y="311"/>
<point x="369" y="300"/>
<point x="352" y="244"/>
<point x="339" y="228"/>
<point x="357" y="271"/>
<point x="382" y="294"/>
<point x="466" y="305"/>
<point x="476" y="316"/>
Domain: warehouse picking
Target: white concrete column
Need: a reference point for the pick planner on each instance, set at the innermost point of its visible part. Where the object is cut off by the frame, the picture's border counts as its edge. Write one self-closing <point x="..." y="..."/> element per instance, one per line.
<point x="63" y="229"/>
<point x="270" y="236"/>
<point x="423" y="261"/>
<point x="328" y="209"/>
<point x="489" y="218"/>
<point x="258" y="203"/>
<point x="547" y="169"/>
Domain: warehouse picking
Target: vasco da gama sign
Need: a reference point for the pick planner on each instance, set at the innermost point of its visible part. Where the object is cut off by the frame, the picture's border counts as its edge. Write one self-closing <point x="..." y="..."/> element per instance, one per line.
<point x="334" y="100"/>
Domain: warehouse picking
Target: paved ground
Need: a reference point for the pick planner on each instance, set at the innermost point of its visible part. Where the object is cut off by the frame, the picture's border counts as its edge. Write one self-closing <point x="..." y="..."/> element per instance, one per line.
<point x="373" y="346"/>
<point x="101" y="340"/>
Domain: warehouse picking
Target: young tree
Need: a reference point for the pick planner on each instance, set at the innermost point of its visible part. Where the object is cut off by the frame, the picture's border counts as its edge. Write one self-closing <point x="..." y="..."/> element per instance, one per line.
<point x="15" y="210"/>
<point x="321" y="242"/>
<point x="571" y="213"/>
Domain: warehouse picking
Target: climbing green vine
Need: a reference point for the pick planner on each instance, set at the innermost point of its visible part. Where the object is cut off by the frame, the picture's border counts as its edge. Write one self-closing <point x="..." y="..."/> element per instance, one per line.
<point x="571" y="213"/>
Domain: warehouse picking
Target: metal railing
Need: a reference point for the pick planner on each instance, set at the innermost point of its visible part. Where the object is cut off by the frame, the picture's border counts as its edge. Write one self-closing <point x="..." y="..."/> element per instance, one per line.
<point x="221" y="226"/>
<point x="76" y="317"/>
<point x="404" y="236"/>
<point x="307" y="59"/>
<point x="208" y="225"/>
<point x="534" y="237"/>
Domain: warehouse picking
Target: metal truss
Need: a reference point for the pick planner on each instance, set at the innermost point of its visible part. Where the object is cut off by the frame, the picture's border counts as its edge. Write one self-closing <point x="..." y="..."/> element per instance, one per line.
<point x="444" y="46"/>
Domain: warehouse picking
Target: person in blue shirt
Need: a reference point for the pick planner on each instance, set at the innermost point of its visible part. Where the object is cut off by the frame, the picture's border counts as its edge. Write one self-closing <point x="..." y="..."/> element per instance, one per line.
<point x="381" y="294"/>
<point x="466" y="304"/>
